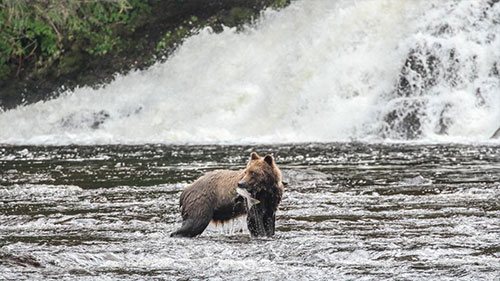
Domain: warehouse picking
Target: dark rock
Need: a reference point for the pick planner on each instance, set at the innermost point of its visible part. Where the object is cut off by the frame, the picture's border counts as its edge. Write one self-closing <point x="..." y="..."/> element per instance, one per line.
<point x="404" y="121"/>
<point x="418" y="75"/>
<point x="496" y="135"/>
<point x="479" y="98"/>
<point x="91" y="120"/>
<point x="430" y="64"/>
<point x="493" y="2"/>
<point x="494" y="70"/>
<point x="421" y="72"/>
<point x="444" y="120"/>
<point x="425" y="65"/>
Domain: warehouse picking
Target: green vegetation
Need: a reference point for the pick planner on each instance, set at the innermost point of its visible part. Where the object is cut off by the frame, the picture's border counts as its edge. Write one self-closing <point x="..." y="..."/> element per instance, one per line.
<point x="234" y="17"/>
<point x="47" y="46"/>
<point x="39" y="31"/>
<point x="280" y="3"/>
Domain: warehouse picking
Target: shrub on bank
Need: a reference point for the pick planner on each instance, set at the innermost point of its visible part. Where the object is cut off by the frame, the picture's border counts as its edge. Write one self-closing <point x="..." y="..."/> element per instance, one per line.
<point x="36" y="32"/>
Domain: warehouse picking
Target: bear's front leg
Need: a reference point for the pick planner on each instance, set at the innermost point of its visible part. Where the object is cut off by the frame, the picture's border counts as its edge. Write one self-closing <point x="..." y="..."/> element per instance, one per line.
<point x="255" y="221"/>
<point x="269" y="220"/>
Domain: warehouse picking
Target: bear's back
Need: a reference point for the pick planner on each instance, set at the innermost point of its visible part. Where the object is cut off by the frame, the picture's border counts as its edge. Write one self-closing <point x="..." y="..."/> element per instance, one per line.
<point x="216" y="188"/>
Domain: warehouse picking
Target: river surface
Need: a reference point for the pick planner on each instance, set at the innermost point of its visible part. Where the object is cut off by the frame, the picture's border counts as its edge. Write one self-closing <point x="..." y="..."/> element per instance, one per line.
<point x="351" y="211"/>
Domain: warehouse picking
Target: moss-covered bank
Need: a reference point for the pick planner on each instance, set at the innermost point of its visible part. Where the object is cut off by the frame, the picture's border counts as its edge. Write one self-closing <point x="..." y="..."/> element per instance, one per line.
<point x="48" y="45"/>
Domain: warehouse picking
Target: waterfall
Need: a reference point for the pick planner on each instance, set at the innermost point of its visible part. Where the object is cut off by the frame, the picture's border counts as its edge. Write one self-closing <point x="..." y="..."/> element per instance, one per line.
<point x="368" y="70"/>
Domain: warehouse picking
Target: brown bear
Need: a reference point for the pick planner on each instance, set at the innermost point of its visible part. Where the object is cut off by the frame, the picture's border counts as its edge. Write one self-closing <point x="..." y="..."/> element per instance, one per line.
<point x="214" y="197"/>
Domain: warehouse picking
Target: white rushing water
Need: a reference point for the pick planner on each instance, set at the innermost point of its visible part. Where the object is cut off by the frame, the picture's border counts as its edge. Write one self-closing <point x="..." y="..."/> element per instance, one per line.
<point x="314" y="71"/>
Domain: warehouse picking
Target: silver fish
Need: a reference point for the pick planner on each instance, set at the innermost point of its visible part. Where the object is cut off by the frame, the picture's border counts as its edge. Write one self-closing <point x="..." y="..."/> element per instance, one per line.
<point x="250" y="201"/>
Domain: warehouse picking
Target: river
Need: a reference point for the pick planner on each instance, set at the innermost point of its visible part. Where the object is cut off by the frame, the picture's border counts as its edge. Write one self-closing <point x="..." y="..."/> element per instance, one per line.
<point x="351" y="211"/>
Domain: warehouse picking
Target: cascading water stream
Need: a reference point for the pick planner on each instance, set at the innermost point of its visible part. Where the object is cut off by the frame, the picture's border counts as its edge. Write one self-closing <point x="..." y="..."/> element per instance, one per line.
<point x="314" y="71"/>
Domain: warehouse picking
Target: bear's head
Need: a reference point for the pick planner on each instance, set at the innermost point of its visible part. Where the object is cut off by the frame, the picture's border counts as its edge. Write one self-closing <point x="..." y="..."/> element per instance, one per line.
<point x="261" y="173"/>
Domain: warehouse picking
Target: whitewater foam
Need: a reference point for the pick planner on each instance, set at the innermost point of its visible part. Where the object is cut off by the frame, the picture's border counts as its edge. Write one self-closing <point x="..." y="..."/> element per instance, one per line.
<point x="314" y="71"/>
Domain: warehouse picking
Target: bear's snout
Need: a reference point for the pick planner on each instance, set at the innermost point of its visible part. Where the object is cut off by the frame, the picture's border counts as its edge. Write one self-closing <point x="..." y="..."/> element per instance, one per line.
<point x="242" y="184"/>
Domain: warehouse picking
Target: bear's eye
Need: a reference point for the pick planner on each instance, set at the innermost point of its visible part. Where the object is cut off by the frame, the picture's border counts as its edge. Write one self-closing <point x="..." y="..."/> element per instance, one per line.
<point x="252" y="174"/>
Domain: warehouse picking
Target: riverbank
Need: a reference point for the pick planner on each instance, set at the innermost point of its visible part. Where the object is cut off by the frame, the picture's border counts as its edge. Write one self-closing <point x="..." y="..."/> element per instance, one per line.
<point x="138" y="35"/>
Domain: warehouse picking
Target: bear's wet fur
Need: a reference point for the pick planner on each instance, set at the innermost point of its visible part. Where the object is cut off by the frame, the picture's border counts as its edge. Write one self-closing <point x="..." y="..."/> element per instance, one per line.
<point x="213" y="197"/>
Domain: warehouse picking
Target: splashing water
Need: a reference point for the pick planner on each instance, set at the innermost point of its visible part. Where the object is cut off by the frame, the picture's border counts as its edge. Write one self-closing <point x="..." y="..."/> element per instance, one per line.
<point x="350" y="211"/>
<point x="315" y="71"/>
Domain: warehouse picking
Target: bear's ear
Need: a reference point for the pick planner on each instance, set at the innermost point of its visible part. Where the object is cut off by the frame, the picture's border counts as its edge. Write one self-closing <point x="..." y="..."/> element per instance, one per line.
<point x="269" y="159"/>
<point x="254" y="156"/>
